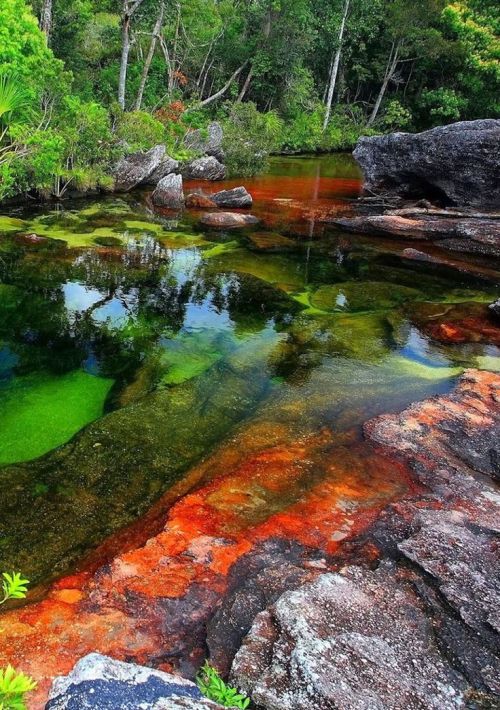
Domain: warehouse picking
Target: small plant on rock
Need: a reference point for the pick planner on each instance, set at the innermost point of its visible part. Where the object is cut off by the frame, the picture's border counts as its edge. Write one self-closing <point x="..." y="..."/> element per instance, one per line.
<point x="13" y="687"/>
<point x="213" y="687"/>
<point x="13" y="684"/>
<point x="13" y="586"/>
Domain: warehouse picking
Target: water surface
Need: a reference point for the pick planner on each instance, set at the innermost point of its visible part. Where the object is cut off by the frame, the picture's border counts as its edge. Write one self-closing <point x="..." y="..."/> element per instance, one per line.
<point x="133" y="344"/>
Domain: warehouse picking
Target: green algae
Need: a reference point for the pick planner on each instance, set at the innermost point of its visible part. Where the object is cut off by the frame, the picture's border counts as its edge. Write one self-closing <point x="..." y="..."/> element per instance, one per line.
<point x="362" y="296"/>
<point x="11" y="224"/>
<point x="38" y="413"/>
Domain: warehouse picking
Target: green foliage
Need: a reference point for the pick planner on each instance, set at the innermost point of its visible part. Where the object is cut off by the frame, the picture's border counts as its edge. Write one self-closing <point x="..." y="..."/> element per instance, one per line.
<point x="396" y="116"/>
<point x="13" y="586"/>
<point x="213" y="687"/>
<point x="13" y="98"/>
<point x="249" y="138"/>
<point x="13" y="687"/>
<point x="443" y="105"/>
<point x="139" y="130"/>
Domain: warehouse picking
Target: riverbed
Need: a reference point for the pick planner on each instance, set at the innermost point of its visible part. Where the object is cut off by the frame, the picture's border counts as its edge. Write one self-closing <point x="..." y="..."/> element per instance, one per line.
<point x="134" y="346"/>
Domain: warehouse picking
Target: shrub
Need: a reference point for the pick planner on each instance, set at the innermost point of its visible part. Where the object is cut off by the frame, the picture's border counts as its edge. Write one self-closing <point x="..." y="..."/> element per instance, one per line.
<point x="213" y="687"/>
<point x="139" y="130"/>
<point x="396" y="116"/>
<point x="442" y="105"/>
<point x="249" y="138"/>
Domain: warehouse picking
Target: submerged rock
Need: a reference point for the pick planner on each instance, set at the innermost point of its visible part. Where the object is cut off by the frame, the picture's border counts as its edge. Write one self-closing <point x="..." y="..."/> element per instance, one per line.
<point x="101" y="683"/>
<point x="207" y="168"/>
<point x="197" y="201"/>
<point x="208" y="142"/>
<point x="134" y="169"/>
<point x="359" y="639"/>
<point x="228" y="220"/>
<point x="236" y="197"/>
<point x="168" y="192"/>
<point x="458" y="164"/>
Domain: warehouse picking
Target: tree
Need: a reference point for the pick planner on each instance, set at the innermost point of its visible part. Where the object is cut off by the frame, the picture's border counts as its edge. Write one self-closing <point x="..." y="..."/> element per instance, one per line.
<point x="335" y="65"/>
<point x="129" y="8"/>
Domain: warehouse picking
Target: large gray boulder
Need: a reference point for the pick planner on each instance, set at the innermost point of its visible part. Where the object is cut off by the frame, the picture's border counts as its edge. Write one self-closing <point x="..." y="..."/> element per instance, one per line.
<point x="207" y="168"/>
<point x="136" y="168"/>
<point x="455" y="165"/>
<point x="101" y="683"/>
<point x="208" y="142"/>
<point x="236" y="197"/>
<point x="167" y="165"/>
<point x="168" y="192"/>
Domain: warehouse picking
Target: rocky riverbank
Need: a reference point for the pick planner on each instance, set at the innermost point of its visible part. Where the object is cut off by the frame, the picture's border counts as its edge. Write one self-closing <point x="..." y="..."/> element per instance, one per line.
<point x="317" y="601"/>
<point x="439" y="187"/>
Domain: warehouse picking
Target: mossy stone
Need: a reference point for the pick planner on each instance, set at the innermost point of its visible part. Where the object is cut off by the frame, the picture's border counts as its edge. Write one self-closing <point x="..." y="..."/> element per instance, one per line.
<point x="352" y="296"/>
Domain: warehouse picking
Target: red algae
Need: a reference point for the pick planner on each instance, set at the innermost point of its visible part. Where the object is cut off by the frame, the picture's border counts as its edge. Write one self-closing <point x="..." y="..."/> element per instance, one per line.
<point x="124" y="609"/>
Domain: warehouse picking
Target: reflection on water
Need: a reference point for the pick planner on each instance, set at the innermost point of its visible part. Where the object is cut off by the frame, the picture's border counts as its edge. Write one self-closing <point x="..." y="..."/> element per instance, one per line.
<point x="157" y="341"/>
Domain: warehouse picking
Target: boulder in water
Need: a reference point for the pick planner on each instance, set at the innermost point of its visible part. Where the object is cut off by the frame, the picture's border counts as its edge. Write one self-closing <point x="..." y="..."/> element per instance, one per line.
<point x="197" y="201"/>
<point x="458" y="164"/>
<point x="236" y="197"/>
<point x="136" y="168"/>
<point x="169" y="193"/>
<point x="228" y="220"/>
<point x="207" y="168"/>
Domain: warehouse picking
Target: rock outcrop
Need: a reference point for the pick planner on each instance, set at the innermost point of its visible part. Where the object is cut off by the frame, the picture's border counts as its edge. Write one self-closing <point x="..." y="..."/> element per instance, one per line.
<point x="208" y="143"/>
<point x="100" y="683"/>
<point x="354" y="640"/>
<point x="458" y="164"/>
<point x="423" y="629"/>
<point x="167" y="165"/>
<point x="236" y="197"/>
<point x="208" y="168"/>
<point x="134" y="169"/>
<point x="474" y="236"/>
<point x="228" y="220"/>
<point x="168" y="192"/>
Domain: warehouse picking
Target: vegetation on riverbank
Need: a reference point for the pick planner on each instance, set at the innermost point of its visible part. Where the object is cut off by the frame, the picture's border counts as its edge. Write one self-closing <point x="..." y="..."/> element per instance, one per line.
<point x="83" y="82"/>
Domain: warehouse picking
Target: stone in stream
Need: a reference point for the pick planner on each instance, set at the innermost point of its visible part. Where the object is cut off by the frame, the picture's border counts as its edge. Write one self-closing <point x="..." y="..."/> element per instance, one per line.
<point x="134" y="169"/>
<point x="236" y="197"/>
<point x="209" y="144"/>
<point x="101" y="683"/>
<point x="207" y="168"/>
<point x="197" y="201"/>
<point x="476" y="236"/>
<point x="168" y="192"/>
<point x="458" y="164"/>
<point x="228" y="220"/>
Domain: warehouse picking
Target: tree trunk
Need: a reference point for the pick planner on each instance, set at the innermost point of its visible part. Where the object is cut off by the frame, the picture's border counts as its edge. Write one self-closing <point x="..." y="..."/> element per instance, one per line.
<point x="46" y="18"/>
<point x="124" y="60"/>
<point x="244" y="90"/>
<point x="335" y="67"/>
<point x="149" y="58"/>
<point x="128" y="9"/>
<point x="221" y="92"/>
<point x="392" y="63"/>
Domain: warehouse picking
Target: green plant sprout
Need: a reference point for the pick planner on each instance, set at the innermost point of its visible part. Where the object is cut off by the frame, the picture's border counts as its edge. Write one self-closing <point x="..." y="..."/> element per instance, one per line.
<point x="13" y="687"/>
<point x="13" y="586"/>
<point x="13" y="684"/>
<point x="213" y="687"/>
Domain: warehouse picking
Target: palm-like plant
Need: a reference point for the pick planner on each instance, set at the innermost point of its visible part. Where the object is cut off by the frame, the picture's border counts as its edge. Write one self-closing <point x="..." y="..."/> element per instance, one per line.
<point x="13" y="97"/>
